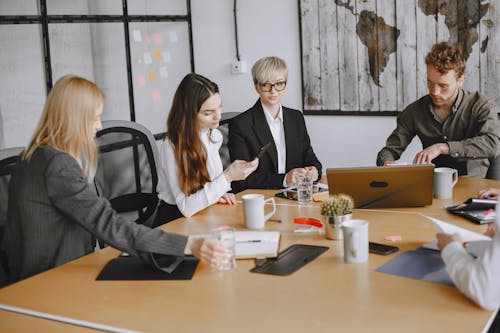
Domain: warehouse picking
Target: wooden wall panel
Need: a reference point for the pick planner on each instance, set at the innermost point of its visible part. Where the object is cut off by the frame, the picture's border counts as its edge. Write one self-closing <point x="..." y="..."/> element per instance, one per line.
<point x="367" y="56"/>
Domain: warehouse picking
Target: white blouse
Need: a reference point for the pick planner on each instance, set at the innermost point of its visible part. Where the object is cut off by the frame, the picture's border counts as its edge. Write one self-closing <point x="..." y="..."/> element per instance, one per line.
<point x="168" y="181"/>
<point x="478" y="279"/>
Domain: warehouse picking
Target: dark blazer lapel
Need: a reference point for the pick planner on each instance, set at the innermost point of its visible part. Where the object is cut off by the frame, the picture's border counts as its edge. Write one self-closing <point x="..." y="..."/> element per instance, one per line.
<point x="263" y="133"/>
<point x="290" y="138"/>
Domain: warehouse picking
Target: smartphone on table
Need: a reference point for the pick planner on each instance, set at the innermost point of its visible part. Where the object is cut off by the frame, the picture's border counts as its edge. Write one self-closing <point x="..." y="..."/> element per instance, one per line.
<point x="381" y="248"/>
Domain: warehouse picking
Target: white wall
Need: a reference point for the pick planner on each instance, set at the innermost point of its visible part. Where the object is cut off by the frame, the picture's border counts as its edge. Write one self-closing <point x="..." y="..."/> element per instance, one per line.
<point x="272" y="28"/>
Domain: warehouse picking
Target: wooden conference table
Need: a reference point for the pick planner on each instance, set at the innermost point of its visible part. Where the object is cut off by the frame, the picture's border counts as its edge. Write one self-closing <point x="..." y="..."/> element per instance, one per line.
<point x="325" y="295"/>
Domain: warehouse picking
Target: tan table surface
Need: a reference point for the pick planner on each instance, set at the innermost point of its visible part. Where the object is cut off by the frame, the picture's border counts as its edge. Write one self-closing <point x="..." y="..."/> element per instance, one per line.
<point x="325" y="295"/>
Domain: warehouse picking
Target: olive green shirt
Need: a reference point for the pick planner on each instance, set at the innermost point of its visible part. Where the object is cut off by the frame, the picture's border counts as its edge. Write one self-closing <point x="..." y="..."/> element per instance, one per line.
<point x="472" y="132"/>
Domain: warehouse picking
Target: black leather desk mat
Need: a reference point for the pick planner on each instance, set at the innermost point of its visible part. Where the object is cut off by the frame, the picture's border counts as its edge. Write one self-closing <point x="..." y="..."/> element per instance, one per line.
<point x="133" y="268"/>
<point x="290" y="260"/>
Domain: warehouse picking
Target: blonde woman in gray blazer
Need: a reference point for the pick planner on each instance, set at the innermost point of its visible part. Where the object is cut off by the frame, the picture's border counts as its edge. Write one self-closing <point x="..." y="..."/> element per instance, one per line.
<point x="54" y="214"/>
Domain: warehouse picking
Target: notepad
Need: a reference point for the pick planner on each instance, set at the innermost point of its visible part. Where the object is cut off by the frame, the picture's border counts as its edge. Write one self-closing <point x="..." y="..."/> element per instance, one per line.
<point x="447" y="228"/>
<point x="257" y="244"/>
<point x="477" y="210"/>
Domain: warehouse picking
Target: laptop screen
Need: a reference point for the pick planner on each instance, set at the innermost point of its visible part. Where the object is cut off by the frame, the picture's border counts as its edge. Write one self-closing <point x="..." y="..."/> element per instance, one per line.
<point x="384" y="187"/>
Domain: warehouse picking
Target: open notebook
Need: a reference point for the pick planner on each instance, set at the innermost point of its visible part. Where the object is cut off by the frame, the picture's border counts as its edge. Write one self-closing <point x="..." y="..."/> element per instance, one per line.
<point x="257" y="244"/>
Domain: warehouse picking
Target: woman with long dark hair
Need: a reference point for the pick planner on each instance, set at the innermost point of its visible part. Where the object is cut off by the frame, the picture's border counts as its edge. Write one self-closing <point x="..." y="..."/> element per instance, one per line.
<point x="54" y="214"/>
<point x="190" y="169"/>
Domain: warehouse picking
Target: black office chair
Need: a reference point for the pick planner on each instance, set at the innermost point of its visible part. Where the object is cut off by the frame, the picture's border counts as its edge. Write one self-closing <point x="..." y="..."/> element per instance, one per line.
<point x="8" y="160"/>
<point x="224" y="129"/>
<point x="126" y="171"/>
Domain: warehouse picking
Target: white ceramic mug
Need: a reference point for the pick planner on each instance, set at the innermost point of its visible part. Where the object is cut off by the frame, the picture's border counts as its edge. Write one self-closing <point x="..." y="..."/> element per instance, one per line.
<point x="253" y="210"/>
<point x="355" y="241"/>
<point x="444" y="180"/>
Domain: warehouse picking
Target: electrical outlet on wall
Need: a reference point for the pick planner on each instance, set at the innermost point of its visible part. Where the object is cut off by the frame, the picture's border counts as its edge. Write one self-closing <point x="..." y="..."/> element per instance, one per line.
<point x="238" y="67"/>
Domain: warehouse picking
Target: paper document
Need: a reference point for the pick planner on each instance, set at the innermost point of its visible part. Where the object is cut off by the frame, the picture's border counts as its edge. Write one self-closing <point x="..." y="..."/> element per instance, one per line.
<point x="447" y="228"/>
<point x="257" y="244"/>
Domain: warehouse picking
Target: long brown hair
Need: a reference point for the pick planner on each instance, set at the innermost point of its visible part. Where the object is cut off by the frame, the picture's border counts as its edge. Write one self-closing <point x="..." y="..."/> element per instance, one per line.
<point x="184" y="132"/>
<point x="67" y="121"/>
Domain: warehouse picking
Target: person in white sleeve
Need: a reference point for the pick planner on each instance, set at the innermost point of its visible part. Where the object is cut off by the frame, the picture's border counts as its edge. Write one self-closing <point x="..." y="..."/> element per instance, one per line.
<point x="190" y="174"/>
<point x="477" y="278"/>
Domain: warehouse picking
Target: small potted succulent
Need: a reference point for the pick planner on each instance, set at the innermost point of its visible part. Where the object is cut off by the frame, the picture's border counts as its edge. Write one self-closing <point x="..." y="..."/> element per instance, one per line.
<point x="335" y="210"/>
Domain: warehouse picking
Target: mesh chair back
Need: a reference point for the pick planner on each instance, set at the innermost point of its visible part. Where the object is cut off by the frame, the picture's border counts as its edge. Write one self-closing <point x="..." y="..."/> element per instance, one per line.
<point x="224" y="129"/>
<point x="8" y="161"/>
<point x="126" y="171"/>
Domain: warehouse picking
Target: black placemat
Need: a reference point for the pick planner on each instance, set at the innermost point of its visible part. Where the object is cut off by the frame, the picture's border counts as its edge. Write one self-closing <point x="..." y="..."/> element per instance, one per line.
<point x="133" y="268"/>
<point x="290" y="260"/>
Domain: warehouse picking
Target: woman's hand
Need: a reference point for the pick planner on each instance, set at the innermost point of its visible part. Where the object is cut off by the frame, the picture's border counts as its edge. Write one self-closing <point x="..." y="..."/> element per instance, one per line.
<point x="227" y="199"/>
<point x="210" y="251"/>
<point x="489" y="193"/>
<point x="445" y="239"/>
<point x="239" y="169"/>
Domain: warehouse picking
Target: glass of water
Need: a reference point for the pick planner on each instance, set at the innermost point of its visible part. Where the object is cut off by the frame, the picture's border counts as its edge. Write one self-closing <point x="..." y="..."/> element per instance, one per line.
<point x="304" y="188"/>
<point x="227" y="236"/>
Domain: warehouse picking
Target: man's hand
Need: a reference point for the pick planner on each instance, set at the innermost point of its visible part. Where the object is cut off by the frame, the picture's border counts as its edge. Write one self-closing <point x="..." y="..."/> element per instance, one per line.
<point x="491" y="193"/>
<point x="428" y="154"/>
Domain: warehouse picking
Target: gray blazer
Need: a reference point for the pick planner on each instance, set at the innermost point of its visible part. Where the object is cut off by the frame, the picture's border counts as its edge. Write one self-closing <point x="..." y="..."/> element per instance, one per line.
<point x="54" y="215"/>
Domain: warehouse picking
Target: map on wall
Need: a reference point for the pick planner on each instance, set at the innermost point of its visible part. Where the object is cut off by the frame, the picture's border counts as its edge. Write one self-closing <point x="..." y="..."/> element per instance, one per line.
<point x="367" y="56"/>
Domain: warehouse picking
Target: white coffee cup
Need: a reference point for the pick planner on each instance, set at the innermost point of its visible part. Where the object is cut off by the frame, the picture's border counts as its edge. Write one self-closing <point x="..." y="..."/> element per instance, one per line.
<point x="253" y="210"/>
<point x="355" y="241"/>
<point x="444" y="180"/>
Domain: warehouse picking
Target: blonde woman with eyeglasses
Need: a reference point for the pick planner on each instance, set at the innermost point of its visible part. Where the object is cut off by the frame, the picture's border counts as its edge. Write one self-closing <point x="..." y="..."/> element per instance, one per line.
<point x="268" y="121"/>
<point x="54" y="214"/>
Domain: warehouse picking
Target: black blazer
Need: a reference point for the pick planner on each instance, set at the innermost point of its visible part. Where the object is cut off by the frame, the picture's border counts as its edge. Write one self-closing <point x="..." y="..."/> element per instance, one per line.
<point x="249" y="131"/>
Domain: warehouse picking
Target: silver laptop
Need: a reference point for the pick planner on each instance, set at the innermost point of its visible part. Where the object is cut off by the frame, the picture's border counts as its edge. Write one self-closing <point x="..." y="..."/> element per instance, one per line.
<point x="384" y="187"/>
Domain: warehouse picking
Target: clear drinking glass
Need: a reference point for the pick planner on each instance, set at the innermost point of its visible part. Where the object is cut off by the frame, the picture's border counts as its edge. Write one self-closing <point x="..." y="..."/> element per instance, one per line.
<point x="304" y="189"/>
<point x="227" y="236"/>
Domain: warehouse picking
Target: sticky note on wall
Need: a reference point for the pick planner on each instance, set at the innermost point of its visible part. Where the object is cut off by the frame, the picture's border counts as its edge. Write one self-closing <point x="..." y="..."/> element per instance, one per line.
<point x="155" y="94"/>
<point x="147" y="58"/>
<point x="141" y="80"/>
<point x="163" y="72"/>
<point x="158" y="39"/>
<point x="173" y="37"/>
<point x="166" y="56"/>
<point x="157" y="56"/>
<point x="151" y="75"/>
<point x="136" y="35"/>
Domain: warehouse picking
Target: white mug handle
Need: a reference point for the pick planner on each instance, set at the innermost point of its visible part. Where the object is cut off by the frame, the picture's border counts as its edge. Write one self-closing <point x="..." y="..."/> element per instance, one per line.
<point x="266" y="217"/>
<point x="354" y="242"/>
<point x="454" y="177"/>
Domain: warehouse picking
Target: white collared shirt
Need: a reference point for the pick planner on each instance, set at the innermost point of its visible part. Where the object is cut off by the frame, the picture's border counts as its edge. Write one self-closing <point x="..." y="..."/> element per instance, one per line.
<point x="168" y="181"/>
<point x="278" y="133"/>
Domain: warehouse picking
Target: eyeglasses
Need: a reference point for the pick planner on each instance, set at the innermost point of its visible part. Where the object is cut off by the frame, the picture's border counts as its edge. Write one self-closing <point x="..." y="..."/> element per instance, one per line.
<point x="266" y="86"/>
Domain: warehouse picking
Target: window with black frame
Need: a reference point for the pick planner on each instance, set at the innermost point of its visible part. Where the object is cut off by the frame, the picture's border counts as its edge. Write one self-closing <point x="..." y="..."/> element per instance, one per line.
<point x="137" y="51"/>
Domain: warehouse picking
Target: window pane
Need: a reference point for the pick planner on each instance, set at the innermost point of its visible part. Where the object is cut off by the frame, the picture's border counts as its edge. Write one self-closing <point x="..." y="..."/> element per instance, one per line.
<point x="157" y="7"/>
<point x="22" y="83"/>
<point x="95" y="51"/>
<point x="19" y="7"/>
<point x="84" y="7"/>
<point x="160" y="59"/>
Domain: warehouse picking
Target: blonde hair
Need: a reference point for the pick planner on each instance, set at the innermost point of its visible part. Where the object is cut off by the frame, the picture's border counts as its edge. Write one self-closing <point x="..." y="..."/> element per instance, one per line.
<point x="67" y="121"/>
<point x="266" y="68"/>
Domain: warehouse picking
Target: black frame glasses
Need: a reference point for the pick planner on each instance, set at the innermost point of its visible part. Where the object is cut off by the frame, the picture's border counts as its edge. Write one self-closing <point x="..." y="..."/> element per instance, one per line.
<point x="278" y="86"/>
